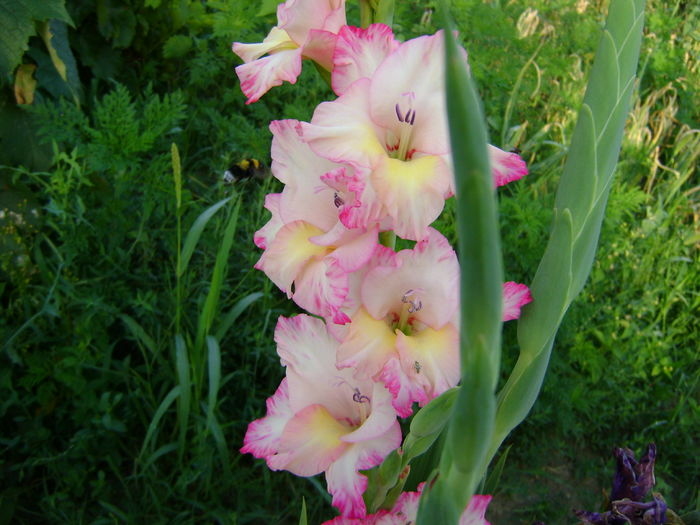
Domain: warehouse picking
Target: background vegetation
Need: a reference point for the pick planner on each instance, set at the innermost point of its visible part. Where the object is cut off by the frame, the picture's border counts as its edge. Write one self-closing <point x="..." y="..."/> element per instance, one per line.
<point x="137" y="339"/>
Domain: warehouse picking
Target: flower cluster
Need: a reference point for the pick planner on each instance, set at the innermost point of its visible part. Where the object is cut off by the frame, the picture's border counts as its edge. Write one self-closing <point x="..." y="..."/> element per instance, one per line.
<point x="385" y="328"/>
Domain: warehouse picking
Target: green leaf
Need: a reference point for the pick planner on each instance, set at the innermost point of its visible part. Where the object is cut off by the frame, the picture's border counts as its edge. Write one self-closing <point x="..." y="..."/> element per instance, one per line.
<point x="579" y="209"/>
<point x="214" y="374"/>
<point x="268" y="7"/>
<point x="195" y="232"/>
<point x="235" y="312"/>
<point x="302" y="515"/>
<point x="471" y="423"/>
<point x="139" y="333"/>
<point x="55" y="36"/>
<point x="177" y="46"/>
<point x="182" y="367"/>
<point x="206" y="317"/>
<point x="17" y="18"/>
<point x="159" y="413"/>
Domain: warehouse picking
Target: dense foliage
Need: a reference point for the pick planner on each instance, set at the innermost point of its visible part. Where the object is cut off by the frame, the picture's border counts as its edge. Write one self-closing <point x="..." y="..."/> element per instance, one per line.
<point x="95" y="217"/>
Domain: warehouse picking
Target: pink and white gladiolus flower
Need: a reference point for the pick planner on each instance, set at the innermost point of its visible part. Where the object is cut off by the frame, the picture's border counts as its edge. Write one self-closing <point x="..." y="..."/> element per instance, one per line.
<point x="308" y="251"/>
<point x="405" y="512"/>
<point x="404" y="328"/>
<point x="390" y="124"/>
<point x="322" y="419"/>
<point x="305" y="29"/>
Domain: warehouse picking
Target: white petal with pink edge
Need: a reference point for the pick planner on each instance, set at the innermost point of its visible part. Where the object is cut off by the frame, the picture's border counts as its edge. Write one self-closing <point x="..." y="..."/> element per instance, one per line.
<point x="475" y="513"/>
<point x="342" y="130"/>
<point x="286" y="255"/>
<point x="430" y="360"/>
<point x="506" y="167"/>
<point x="358" y="53"/>
<point x="264" y="236"/>
<point x="412" y="192"/>
<point x="258" y="76"/>
<point x="368" y="344"/>
<point x="412" y="78"/>
<point x="310" y="442"/>
<point x="515" y="296"/>
<point x="298" y="17"/>
<point x="263" y="435"/>
<point x="428" y="275"/>
<point x="346" y="484"/>
<point x="276" y="40"/>
<point x="321" y="287"/>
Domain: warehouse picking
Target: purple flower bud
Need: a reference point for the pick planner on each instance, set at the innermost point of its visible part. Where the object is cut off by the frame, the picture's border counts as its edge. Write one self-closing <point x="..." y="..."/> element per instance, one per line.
<point x="633" y="479"/>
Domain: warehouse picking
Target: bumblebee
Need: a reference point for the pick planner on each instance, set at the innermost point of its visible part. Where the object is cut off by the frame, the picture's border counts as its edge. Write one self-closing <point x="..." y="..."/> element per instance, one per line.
<point x="245" y="169"/>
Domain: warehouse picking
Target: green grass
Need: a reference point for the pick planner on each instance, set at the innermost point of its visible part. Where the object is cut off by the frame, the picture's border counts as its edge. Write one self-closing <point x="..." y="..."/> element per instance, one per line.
<point x="99" y="347"/>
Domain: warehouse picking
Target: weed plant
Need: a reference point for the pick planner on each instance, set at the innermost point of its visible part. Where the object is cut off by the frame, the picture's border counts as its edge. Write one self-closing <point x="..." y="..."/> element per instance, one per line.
<point x="137" y="338"/>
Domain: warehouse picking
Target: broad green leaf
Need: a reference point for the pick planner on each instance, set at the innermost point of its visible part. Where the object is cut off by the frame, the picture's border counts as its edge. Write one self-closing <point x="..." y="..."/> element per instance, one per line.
<point x="55" y="36"/>
<point x="17" y="24"/>
<point x="472" y="418"/>
<point x="195" y="232"/>
<point x="25" y="84"/>
<point x="431" y="419"/>
<point x="579" y="209"/>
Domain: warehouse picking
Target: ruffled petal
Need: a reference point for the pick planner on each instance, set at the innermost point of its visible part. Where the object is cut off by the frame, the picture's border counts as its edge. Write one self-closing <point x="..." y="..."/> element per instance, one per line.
<point x="305" y="196"/>
<point x="369" y="343"/>
<point x="430" y="360"/>
<point x="353" y="247"/>
<point x="264" y="236"/>
<point x="515" y="295"/>
<point x="319" y="47"/>
<point x="277" y="39"/>
<point x="263" y="435"/>
<point x="342" y="130"/>
<point x="506" y="167"/>
<point x="358" y="53"/>
<point x="412" y="192"/>
<point x="475" y="513"/>
<point x="381" y="418"/>
<point x="298" y="17"/>
<point x="321" y="287"/>
<point x="428" y="274"/>
<point x="259" y="76"/>
<point x="358" y="206"/>
<point x="403" y="391"/>
<point x="289" y="251"/>
<point x="346" y="484"/>
<point x="411" y="76"/>
<point x="310" y="442"/>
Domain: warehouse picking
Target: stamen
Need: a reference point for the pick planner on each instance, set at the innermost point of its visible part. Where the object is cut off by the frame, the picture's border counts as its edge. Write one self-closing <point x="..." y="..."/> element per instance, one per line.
<point x="413" y="118"/>
<point x="358" y="397"/>
<point x="414" y="305"/>
<point x="337" y="200"/>
<point x="398" y="113"/>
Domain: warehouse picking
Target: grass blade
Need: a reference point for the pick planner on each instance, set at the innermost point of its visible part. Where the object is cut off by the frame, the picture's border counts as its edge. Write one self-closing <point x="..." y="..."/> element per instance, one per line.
<point x="214" y="369"/>
<point x="234" y="313"/>
<point x="159" y="413"/>
<point x="182" y="366"/>
<point x="206" y="317"/>
<point x="195" y="232"/>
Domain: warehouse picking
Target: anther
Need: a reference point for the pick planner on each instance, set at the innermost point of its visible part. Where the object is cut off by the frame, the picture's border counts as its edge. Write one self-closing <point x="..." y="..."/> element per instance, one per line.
<point x="337" y="200"/>
<point x="398" y="113"/>
<point x="357" y="397"/>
